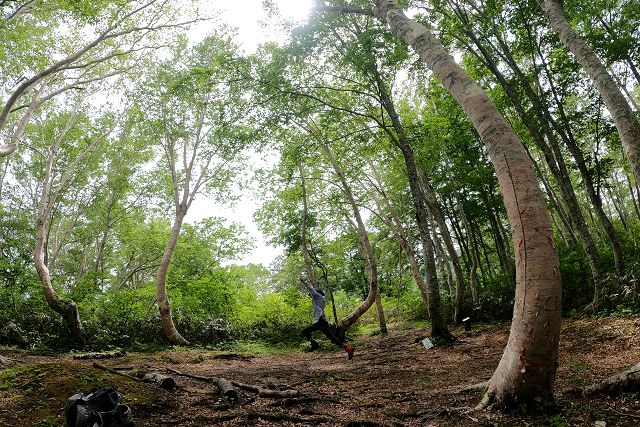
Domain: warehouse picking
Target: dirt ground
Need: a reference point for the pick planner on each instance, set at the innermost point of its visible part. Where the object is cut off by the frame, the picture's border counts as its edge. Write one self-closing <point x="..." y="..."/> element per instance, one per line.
<point x="391" y="381"/>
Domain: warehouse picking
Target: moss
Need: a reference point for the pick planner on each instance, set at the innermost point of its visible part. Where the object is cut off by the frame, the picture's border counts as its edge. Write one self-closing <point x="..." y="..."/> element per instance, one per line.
<point x="39" y="392"/>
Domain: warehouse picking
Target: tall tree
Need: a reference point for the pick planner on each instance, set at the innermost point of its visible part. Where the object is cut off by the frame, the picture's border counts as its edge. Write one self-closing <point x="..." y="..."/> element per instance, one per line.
<point x="527" y="369"/>
<point x="195" y="116"/>
<point x="118" y="32"/>
<point x="621" y="112"/>
<point x="70" y="143"/>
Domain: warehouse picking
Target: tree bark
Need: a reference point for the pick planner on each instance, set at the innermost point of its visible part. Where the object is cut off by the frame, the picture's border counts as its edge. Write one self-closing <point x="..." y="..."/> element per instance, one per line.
<point x="65" y="308"/>
<point x="392" y="221"/>
<point x="620" y="110"/>
<point x="168" y="326"/>
<point x="473" y="271"/>
<point x="527" y="369"/>
<point x="554" y="159"/>
<point x="381" y="319"/>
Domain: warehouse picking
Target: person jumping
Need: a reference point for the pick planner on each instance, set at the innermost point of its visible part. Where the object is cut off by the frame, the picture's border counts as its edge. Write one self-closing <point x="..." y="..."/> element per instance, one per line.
<point x="320" y="322"/>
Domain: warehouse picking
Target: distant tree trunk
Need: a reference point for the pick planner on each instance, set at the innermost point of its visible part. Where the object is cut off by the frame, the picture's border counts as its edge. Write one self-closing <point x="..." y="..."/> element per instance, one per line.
<point x="473" y="271"/>
<point x="390" y="218"/>
<point x="438" y="324"/>
<point x="620" y="110"/>
<point x="364" y="247"/>
<point x="381" y="319"/>
<point x="303" y="246"/>
<point x="65" y="308"/>
<point x="436" y="213"/>
<point x="444" y="261"/>
<point x="528" y="366"/>
<point x="168" y="327"/>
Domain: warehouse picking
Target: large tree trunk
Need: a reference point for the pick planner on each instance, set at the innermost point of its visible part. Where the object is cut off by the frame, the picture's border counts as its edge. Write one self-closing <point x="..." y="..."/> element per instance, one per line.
<point x="168" y="327"/>
<point x="67" y="309"/>
<point x="527" y="369"/>
<point x="620" y="110"/>
<point x="554" y="159"/>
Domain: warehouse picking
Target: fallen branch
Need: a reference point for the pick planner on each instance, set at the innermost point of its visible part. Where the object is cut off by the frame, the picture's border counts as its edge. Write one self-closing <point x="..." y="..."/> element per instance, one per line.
<point x="627" y="381"/>
<point x="267" y="392"/>
<point x="223" y="385"/>
<point x="113" y="371"/>
<point x="6" y="361"/>
<point x="163" y="381"/>
<point x="101" y="355"/>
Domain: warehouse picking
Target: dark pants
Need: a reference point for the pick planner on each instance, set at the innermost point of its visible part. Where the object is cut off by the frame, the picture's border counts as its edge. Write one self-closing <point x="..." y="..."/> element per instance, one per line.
<point x="321" y="325"/>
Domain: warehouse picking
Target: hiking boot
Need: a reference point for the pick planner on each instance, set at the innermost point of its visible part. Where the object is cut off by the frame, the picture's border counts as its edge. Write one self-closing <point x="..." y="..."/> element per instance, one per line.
<point x="349" y="349"/>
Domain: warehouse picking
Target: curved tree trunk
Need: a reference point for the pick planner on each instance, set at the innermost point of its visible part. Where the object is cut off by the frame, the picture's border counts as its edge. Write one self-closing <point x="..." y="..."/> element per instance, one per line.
<point x="547" y="124"/>
<point x="555" y="160"/>
<point x="168" y="327"/>
<point x="620" y="110"/>
<point x="364" y="247"/>
<point x="65" y="308"/>
<point x="527" y="369"/>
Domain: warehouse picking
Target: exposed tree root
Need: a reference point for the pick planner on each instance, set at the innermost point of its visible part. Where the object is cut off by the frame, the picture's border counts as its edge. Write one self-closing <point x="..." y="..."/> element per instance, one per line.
<point x="475" y="387"/>
<point x="627" y="381"/>
<point x="274" y="417"/>
<point x="487" y="400"/>
<point x="6" y="362"/>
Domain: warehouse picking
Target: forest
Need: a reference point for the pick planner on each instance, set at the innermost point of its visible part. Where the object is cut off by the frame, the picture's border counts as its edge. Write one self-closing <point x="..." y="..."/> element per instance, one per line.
<point x="458" y="180"/>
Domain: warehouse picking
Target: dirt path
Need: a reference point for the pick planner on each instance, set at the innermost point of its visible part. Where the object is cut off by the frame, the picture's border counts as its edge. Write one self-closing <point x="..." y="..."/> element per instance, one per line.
<point x="392" y="381"/>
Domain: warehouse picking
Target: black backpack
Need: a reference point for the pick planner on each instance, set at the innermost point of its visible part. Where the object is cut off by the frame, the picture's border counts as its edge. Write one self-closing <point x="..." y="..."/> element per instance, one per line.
<point x="98" y="409"/>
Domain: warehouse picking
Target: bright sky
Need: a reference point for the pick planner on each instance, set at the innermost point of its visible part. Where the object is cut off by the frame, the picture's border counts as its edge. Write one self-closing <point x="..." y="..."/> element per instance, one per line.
<point x="253" y="29"/>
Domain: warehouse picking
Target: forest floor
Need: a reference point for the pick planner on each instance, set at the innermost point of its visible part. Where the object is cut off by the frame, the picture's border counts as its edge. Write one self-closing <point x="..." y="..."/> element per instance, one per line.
<point x="391" y="381"/>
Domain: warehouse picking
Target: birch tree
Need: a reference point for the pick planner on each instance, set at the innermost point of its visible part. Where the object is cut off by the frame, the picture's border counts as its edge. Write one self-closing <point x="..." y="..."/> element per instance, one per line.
<point x="527" y="369"/>
<point x="41" y="62"/>
<point x="69" y="147"/>
<point x="621" y="112"/>
<point x="195" y="113"/>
